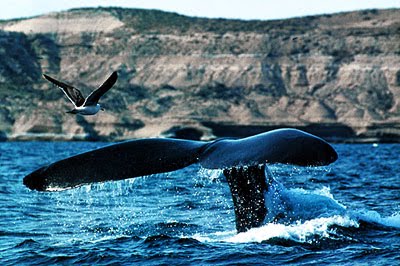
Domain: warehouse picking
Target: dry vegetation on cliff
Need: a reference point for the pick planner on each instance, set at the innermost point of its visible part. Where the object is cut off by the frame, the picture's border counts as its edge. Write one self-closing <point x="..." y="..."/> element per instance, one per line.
<point x="334" y="75"/>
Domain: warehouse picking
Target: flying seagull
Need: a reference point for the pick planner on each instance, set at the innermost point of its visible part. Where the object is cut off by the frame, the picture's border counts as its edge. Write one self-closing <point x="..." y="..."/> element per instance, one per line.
<point x="82" y="106"/>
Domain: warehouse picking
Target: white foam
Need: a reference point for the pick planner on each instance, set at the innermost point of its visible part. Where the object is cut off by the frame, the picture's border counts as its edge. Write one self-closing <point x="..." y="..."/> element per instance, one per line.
<point x="374" y="217"/>
<point x="299" y="232"/>
<point x="306" y="229"/>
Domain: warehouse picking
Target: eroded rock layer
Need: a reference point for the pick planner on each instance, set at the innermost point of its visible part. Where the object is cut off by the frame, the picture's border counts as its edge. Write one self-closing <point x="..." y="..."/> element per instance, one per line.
<point x="337" y="76"/>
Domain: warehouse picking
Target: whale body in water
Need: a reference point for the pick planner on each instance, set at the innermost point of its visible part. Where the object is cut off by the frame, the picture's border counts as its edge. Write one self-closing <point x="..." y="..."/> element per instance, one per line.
<point x="243" y="161"/>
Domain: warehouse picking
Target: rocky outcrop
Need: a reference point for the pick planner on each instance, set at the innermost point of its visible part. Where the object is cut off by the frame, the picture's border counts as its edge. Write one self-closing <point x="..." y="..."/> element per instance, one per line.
<point x="337" y="76"/>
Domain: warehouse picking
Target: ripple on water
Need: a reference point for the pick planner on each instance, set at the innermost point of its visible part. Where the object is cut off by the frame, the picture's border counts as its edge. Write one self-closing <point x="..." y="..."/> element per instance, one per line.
<point x="187" y="217"/>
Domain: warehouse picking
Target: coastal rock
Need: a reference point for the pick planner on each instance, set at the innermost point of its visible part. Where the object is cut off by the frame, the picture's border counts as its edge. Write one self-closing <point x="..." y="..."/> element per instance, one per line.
<point x="333" y="75"/>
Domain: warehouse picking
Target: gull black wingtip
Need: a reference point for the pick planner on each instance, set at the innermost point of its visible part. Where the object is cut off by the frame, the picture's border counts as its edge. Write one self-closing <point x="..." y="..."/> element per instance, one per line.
<point x="46" y="77"/>
<point x="113" y="77"/>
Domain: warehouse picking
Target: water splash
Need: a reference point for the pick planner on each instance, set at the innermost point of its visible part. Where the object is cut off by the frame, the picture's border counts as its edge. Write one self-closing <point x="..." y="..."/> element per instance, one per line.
<point x="208" y="175"/>
<point x="298" y="232"/>
<point x="374" y="217"/>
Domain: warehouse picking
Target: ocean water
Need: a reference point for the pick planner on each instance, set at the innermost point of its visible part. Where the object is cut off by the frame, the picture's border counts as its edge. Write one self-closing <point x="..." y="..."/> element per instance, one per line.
<point x="347" y="213"/>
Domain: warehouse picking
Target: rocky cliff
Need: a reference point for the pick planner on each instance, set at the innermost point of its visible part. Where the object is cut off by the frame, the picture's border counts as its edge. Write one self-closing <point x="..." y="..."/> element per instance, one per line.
<point x="337" y="76"/>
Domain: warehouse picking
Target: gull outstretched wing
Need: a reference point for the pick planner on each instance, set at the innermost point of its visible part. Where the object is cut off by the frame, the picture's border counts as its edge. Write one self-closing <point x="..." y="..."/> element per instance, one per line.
<point x="94" y="97"/>
<point x="73" y="94"/>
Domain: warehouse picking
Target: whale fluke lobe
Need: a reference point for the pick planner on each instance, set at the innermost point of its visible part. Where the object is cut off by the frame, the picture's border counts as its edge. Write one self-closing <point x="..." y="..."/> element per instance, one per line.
<point x="115" y="162"/>
<point x="287" y="146"/>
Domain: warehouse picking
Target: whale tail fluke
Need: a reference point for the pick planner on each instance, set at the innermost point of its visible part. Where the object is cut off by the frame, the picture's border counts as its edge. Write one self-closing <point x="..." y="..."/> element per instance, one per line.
<point x="152" y="156"/>
<point x="243" y="162"/>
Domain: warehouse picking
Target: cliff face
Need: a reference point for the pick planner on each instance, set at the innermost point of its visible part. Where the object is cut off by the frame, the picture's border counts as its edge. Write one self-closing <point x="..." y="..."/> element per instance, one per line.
<point x="337" y="76"/>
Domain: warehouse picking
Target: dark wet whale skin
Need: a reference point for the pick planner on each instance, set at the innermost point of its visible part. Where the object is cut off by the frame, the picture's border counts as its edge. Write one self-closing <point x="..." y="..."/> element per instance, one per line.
<point x="242" y="161"/>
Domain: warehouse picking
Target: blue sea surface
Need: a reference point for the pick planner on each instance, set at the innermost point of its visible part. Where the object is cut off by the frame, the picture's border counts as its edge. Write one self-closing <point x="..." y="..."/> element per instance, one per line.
<point x="187" y="218"/>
